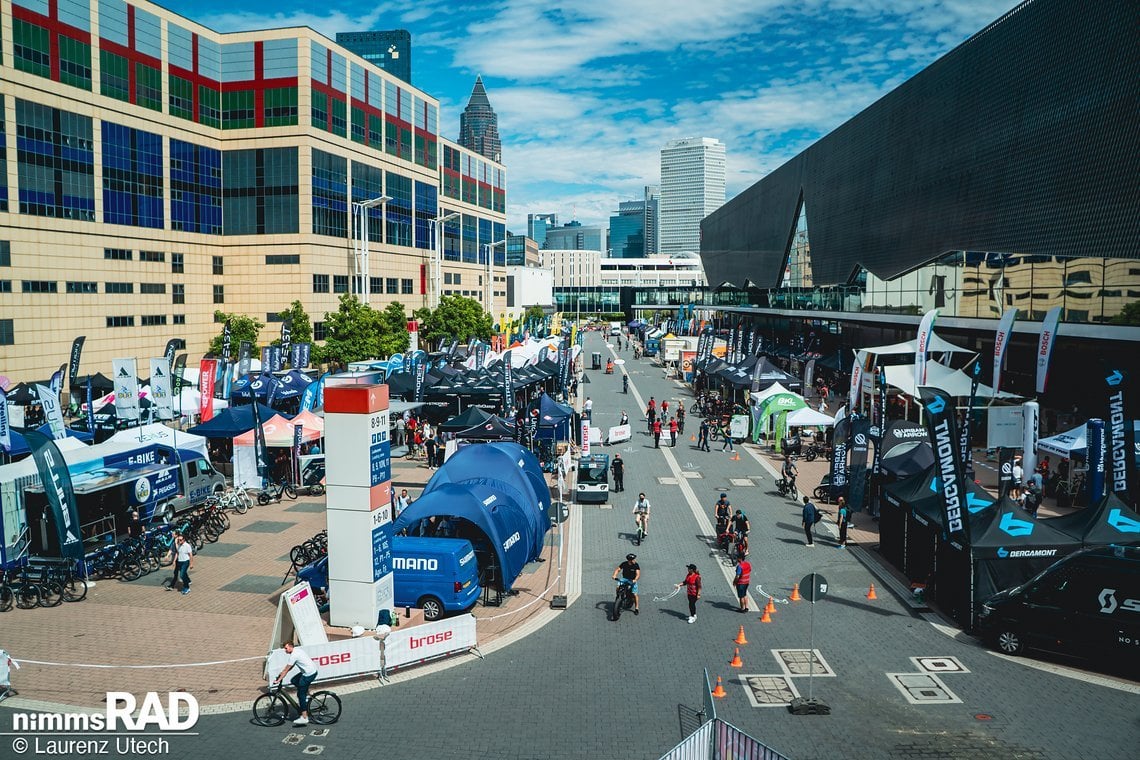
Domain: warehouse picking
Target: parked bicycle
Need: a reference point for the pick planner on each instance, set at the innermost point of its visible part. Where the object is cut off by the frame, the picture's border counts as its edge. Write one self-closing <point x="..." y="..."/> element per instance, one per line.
<point x="815" y="449"/>
<point x="273" y="492"/>
<point x="278" y="706"/>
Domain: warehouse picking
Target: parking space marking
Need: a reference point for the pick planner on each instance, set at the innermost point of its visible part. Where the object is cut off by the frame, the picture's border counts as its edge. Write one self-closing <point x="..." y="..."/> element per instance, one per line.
<point x="666" y="481"/>
<point x="939" y="664"/>
<point x="742" y="482"/>
<point x="799" y="662"/>
<point x="923" y="689"/>
<point x="691" y="474"/>
<point x="769" y="690"/>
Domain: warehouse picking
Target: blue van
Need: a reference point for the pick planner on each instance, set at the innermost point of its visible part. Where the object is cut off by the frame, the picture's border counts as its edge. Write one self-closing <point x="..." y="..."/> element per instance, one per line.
<point x="438" y="575"/>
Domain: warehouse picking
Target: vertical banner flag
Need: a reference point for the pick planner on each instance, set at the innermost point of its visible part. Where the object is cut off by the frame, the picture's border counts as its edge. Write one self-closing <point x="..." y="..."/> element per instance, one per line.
<point x="1001" y="343"/>
<point x="878" y="437"/>
<point x="860" y="443"/>
<point x="90" y="407"/>
<point x="126" y="388"/>
<point x="1118" y="439"/>
<point x="286" y="340"/>
<point x="940" y="426"/>
<point x="73" y="366"/>
<point x="584" y="434"/>
<point x="206" y="377"/>
<point x="56" y="383"/>
<point x="177" y="374"/>
<point x="276" y="358"/>
<point x="245" y="357"/>
<point x="1045" y="345"/>
<point x="809" y="375"/>
<point x="1005" y="471"/>
<point x="508" y="387"/>
<point x="5" y="429"/>
<point x="298" y="434"/>
<point x="563" y="367"/>
<point x="227" y="342"/>
<point x="309" y="395"/>
<point x="751" y="349"/>
<point x="260" y="452"/>
<point x="56" y="481"/>
<point x="481" y="355"/>
<point x="160" y="393"/>
<point x="168" y="352"/>
<point x="1031" y="424"/>
<point x="1094" y="438"/>
<point x="922" y="346"/>
<point x="451" y="349"/>
<point x="221" y="382"/>
<point x="295" y="356"/>
<point x="839" y="454"/>
<point x="966" y="433"/>
<point x="740" y="341"/>
<point x="543" y="353"/>
<point x="306" y="354"/>
<point x="421" y="370"/>
<point x="265" y="365"/>
<point x="855" y="395"/>
<point x="408" y="362"/>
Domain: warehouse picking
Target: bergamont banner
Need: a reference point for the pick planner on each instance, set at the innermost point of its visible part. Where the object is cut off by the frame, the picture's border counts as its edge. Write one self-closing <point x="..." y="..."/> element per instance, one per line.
<point x="1119" y="435"/>
<point x="942" y="429"/>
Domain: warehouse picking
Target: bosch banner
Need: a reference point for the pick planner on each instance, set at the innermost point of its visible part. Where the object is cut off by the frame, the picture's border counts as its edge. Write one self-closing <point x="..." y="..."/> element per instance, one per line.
<point x="207" y="370"/>
<point x="1045" y="345"/>
<point x="839" y="456"/>
<point x="73" y="367"/>
<point x="941" y="427"/>
<point x="860" y="440"/>
<point x="1119" y="434"/>
<point x="1094" y="439"/>
<point x="922" y="346"/>
<point x="1001" y="343"/>
<point x="126" y="388"/>
<point x="855" y="395"/>
<point x="56" y="481"/>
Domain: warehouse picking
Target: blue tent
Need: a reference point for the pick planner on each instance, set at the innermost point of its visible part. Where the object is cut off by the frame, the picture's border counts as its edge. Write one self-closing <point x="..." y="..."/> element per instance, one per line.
<point x="553" y="418"/>
<point x="501" y="521"/>
<point x="250" y="386"/>
<point x="501" y="470"/>
<point x="291" y="385"/>
<point x="232" y="421"/>
<point x="532" y="468"/>
<point x="20" y="445"/>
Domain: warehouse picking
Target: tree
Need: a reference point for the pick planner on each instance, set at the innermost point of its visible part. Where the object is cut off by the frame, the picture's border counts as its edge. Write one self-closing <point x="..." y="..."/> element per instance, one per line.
<point x="301" y="327"/>
<point x="354" y="331"/>
<point x="395" y="338"/>
<point x="242" y="328"/>
<point x="456" y="317"/>
<point x="1129" y="315"/>
<point x="534" y="313"/>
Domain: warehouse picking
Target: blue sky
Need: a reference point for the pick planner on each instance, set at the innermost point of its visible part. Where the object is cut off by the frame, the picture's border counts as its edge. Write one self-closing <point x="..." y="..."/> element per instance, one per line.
<point x="587" y="92"/>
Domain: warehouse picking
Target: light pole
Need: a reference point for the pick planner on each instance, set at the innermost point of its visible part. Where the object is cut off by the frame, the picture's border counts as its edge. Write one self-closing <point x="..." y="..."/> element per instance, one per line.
<point x="437" y="253"/>
<point x="490" y="291"/>
<point x="360" y="208"/>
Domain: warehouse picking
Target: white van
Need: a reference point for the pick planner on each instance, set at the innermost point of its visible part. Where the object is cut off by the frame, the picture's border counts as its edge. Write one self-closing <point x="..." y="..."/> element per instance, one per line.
<point x="615" y="328"/>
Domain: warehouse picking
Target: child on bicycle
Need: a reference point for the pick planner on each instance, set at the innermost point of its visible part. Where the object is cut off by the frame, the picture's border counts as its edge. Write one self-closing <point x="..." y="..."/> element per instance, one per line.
<point x="641" y="514"/>
<point x="306" y="674"/>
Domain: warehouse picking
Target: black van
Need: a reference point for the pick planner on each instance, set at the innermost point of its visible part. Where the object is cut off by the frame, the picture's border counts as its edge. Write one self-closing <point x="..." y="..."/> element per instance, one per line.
<point x="1087" y="604"/>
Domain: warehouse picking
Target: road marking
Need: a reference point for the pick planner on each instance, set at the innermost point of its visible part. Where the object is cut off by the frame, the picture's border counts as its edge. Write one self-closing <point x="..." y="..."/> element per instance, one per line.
<point x="945" y="664"/>
<point x="691" y="475"/>
<point x="742" y="482"/>
<point x="802" y="662"/>
<point x="769" y="690"/>
<point x="1079" y="675"/>
<point x="923" y="689"/>
<point x="666" y="480"/>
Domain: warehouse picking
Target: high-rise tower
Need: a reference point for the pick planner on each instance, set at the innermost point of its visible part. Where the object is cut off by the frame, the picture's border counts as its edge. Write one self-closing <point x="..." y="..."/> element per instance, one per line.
<point x="692" y="187"/>
<point x="479" y="126"/>
<point x="390" y="50"/>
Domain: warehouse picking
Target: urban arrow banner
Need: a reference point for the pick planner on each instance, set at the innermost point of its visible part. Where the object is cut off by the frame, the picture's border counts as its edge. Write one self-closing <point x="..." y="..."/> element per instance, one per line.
<point x="839" y="456"/>
<point x="941" y="427"/>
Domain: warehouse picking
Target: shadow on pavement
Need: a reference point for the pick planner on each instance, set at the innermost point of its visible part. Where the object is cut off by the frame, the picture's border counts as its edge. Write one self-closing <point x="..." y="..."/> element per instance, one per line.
<point x="863" y="606"/>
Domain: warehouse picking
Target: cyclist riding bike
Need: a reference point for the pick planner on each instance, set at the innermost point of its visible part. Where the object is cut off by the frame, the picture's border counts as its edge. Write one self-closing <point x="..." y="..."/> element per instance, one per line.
<point x="630" y="573"/>
<point x="722" y="511"/>
<point x="740" y="528"/>
<point x="306" y="674"/>
<point x="641" y="513"/>
<point x="789" y="472"/>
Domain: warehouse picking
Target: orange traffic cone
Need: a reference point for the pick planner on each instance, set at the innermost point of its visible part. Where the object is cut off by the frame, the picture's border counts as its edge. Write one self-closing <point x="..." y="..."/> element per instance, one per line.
<point x="740" y="637"/>
<point x="766" y="617"/>
<point x="736" y="662"/>
<point x="771" y="606"/>
<point x="719" y="691"/>
<point x="795" y="597"/>
<point x="735" y="457"/>
<point x="692" y="438"/>
<point x="871" y="594"/>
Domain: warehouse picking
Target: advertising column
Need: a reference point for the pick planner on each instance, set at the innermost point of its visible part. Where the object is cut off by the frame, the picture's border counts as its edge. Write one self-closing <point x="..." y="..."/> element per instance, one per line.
<point x="359" y="507"/>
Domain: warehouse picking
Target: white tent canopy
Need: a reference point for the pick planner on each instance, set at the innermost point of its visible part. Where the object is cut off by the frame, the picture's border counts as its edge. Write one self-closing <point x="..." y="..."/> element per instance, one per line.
<point x="772" y="390"/>
<point x="937" y="345"/>
<point x="808" y="417"/>
<point x="161" y="434"/>
<point x="1066" y="444"/>
<point x="953" y="381"/>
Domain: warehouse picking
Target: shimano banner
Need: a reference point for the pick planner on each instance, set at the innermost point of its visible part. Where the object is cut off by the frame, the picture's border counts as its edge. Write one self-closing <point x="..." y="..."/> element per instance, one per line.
<point x="286" y="341"/>
<point x="73" y="366"/>
<point x="941" y="427"/>
<point x="1119" y="433"/>
<point x="860" y="440"/>
<point x="1045" y="345"/>
<point x="126" y="388"/>
<point x="160" y="393"/>
<point x="922" y="346"/>
<point x="1001" y="343"/>
<point x="1094" y="439"/>
<point x="56" y="481"/>
<point x="839" y="446"/>
<point x="227" y="341"/>
<point x="245" y="358"/>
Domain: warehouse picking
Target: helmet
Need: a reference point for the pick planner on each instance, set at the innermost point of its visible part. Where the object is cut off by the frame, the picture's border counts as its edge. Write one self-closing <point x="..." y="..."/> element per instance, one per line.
<point x="724" y="496"/>
<point x="692" y="567"/>
<point x="631" y="557"/>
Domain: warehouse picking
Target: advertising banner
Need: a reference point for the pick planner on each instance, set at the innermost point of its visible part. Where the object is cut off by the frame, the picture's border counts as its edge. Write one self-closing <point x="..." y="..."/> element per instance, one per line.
<point x="584" y="436"/>
<point x="751" y="343"/>
<point x="922" y="346"/>
<point x="508" y="387"/>
<point x="481" y="355"/>
<point x="1118" y="436"/>
<point x="265" y="364"/>
<point x="286" y="340"/>
<point x="1005" y="471"/>
<point x="177" y="373"/>
<point x="260" y="451"/>
<point x="421" y="374"/>
<point x="171" y="347"/>
<point x="688" y="358"/>
<point x="941" y="427"/>
<point x="1031" y="424"/>
<point x="334" y="659"/>
<point x="56" y="481"/>
<point x="619" y="433"/>
<point x="1094" y="439"/>
<point x="966" y="434"/>
<point x="839" y="457"/>
<point x="295" y="356"/>
<point x="276" y="359"/>
<point x="860" y="442"/>
<point x="739" y="342"/>
<point x="160" y="394"/>
<point x="308" y="627"/>
<point x="206" y="375"/>
<point x="298" y="434"/>
<point x="90" y="407"/>
<point x="49" y="400"/>
<point x="809" y="375"/>
<point x="227" y="337"/>
<point x="245" y="358"/>
<point x="5" y="429"/>
<point x="855" y="394"/>
<point x="126" y="388"/>
<point x="222" y="380"/>
<point x="73" y="365"/>
<point x="405" y="646"/>
<point x="1045" y="345"/>
<point x="1001" y="343"/>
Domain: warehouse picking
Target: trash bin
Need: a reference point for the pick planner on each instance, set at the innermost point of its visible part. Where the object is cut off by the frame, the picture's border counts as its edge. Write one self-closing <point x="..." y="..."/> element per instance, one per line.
<point x="596" y="360"/>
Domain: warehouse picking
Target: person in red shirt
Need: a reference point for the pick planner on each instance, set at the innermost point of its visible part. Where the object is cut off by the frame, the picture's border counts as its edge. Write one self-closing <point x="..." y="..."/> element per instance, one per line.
<point x="673" y="431"/>
<point x="656" y="434"/>
<point x="692" y="584"/>
<point x="741" y="581"/>
<point x="664" y="408"/>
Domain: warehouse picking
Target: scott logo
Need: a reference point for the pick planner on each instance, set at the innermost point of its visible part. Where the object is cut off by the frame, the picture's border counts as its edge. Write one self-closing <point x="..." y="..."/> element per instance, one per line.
<point x="1108" y="603"/>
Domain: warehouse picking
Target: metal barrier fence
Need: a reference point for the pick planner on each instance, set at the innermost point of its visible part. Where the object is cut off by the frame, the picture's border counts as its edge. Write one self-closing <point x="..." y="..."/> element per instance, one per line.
<point x="718" y="740"/>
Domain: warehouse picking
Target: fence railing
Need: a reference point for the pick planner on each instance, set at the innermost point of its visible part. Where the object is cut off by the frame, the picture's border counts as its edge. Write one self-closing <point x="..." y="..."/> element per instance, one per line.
<point x="719" y="740"/>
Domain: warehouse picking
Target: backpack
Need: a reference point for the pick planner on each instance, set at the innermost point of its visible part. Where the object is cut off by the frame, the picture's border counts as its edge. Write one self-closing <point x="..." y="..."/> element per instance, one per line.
<point x="816" y="515"/>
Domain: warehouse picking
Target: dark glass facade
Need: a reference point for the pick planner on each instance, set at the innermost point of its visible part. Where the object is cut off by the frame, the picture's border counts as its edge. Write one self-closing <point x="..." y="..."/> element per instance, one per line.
<point x="368" y="183"/>
<point x="132" y="176"/>
<point x="195" y="188"/>
<point x="56" y="162"/>
<point x="1023" y="139"/>
<point x="260" y="191"/>
<point x="390" y="50"/>
<point x="330" y="194"/>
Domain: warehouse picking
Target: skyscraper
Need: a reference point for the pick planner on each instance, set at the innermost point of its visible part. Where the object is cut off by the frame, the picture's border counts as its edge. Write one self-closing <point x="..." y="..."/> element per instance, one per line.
<point x="692" y="187"/>
<point x="390" y="50"/>
<point x="627" y="231"/>
<point x="652" y="219"/>
<point x="538" y="224"/>
<point x="572" y="236"/>
<point x="479" y="126"/>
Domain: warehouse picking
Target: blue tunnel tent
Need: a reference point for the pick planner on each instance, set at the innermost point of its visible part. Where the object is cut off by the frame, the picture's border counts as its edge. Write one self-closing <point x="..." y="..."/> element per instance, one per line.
<point x="496" y="468"/>
<point x="232" y="421"/>
<point x="529" y="463"/>
<point x="492" y="528"/>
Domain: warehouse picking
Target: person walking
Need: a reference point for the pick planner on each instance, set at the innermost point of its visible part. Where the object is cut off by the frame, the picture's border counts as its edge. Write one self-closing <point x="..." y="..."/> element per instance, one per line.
<point x="651" y="414"/>
<point x="656" y="434"/>
<point x="703" y="436"/>
<point x="183" y="563"/>
<point x="6" y="666"/>
<point x="429" y="448"/>
<point x="664" y="409"/>
<point x="810" y="518"/>
<point x="440" y="448"/>
<point x="400" y="503"/>
<point x="588" y="409"/>
<point x="618" y="468"/>
<point x="673" y="432"/>
<point x="624" y="418"/>
<point x="681" y="418"/>
<point x="741" y="581"/>
<point x="692" y="584"/>
<point x="842" y="515"/>
<point x="398" y="431"/>
<point x="727" y="438"/>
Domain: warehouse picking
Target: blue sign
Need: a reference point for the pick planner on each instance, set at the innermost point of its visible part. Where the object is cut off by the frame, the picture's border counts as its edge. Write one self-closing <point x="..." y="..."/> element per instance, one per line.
<point x="1015" y="527"/>
<point x="381" y="551"/>
<point x="380" y="462"/>
<point x="154" y="488"/>
<point x="1123" y="524"/>
<point x="1095" y="447"/>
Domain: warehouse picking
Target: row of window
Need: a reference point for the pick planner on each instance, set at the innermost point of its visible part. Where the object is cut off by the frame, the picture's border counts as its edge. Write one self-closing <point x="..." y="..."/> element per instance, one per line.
<point x="146" y="320"/>
<point x="376" y="285"/>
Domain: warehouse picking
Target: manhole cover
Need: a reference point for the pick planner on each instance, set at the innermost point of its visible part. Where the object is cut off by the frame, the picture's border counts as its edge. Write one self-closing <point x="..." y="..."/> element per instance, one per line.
<point x="319" y="732"/>
<point x="768" y="691"/>
<point x="313" y="749"/>
<point x="293" y="739"/>
<point x="939" y="664"/>
<point x="923" y="689"/>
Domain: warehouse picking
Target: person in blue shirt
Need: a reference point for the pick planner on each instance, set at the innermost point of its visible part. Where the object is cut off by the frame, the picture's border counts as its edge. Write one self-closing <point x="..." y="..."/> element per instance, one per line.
<point x="810" y="518"/>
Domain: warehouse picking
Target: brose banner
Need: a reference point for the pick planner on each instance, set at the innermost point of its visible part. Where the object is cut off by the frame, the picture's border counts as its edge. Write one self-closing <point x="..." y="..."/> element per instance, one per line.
<point x="424" y="642"/>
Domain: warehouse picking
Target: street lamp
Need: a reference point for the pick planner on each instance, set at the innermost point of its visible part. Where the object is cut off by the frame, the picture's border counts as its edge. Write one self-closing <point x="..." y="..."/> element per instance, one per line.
<point x="490" y="291"/>
<point x="360" y="209"/>
<point x="437" y="250"/>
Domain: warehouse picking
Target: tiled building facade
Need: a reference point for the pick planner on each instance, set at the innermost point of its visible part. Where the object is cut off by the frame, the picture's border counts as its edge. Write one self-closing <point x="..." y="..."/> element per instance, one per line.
<point x="180" y="171"/>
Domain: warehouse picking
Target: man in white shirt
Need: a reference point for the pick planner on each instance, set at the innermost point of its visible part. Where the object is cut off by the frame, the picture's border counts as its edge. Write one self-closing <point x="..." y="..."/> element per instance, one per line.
<point x="183" y="563"/>
<point x="306" y="674"/>
<point x="588" y="408"/>
<point x="6" y="665"/>
<point x="401" y="503"/>
<point x="1018" y="474"/>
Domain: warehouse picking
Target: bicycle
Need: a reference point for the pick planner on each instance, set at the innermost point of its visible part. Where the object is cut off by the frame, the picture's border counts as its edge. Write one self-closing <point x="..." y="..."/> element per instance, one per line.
<point x="16" y="588"/>
<point x="639" y="520"/>
<point x="273" y="492"/>
<point x="624" y="597"/>
<point x="786" y="486"/>
<point x="277" y="706"/>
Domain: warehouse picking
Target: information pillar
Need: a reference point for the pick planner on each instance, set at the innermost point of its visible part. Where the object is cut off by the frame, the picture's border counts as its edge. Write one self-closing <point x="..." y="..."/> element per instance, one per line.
<point x="358" y="473"/>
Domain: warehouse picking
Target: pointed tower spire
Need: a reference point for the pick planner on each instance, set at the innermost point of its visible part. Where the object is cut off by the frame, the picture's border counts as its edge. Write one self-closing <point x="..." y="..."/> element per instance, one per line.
<point x="479" y="126"/>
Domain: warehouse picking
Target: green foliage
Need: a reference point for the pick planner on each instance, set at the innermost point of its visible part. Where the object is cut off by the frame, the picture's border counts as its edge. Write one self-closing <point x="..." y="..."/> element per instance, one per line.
<point x="1129" y="315"/>
<point x="301" y="330"/>
<point x="242" y="328"/>
<point x="395" y="337"/>
<point x="354" y="332"/>
<point x="534" y="312"/>
<point x="457" y="317"/>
